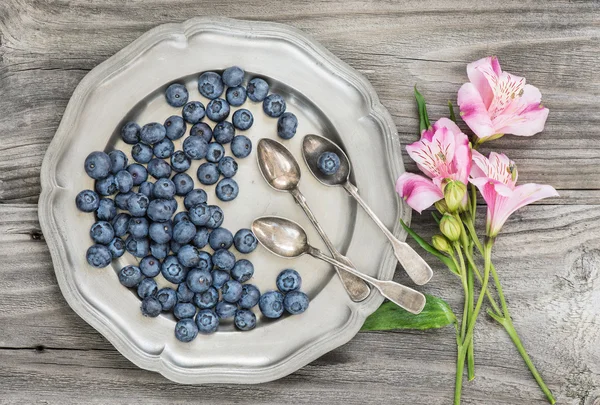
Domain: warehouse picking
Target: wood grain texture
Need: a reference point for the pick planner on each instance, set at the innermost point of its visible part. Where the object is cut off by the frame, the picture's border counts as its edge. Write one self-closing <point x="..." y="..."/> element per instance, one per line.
<point x="49" y="354"/>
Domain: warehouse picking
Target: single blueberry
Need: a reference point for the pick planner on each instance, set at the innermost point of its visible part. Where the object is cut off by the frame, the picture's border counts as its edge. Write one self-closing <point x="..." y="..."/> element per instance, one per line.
<point x="204" y="261"/>
<point x="271" y="304"/>
<point x="241" y="146"/>
<point x="203" y="130"/>
<point x="138" y="204"/>
<point x="208" y="173"/>
<point x="224" y="132"/>
<point x="228" y="166"/>
<point x="151" y="307"/>
<point x="130" y="133"/>
<point x="122" y="200"/>
<point x="116" y="247"/>
<point x="215" y="152"/>
<point x="161" y="232"/>
<point x="207" y="321"/>
<point x="328" y="163"/>
<point x="159" y="250"/>
<point x="97" y="165"/>
<point x="87" y="201"/>
<point x="242" y="271"/>
<point x="227" y="189"/>
<point x="210" y="85"/>
<point x="225" y="310"/>
<point x="186" y="330"/>
<point x="199" y="280"/>
<point x="180" y="216"/>
<point x="274" y="105"/>
<point x="217" y="110"/>
<point x="164" y="188"/>
<point x="236" y="96"/>
<point x="244" y="320"/>
<point x="184" y="294"/>
<point x="138" y="227"/>
<point x="184" y="232"/>
<point x="195" y="197"/>
<point x="207" y="299"/>
<point x="242" y="119"/>
<point x="188" y="256"/>
<point x="176" y="95"/>
<point x="142" y="153"/>
<point x="147" y="288"/>
<point x="183" y="184"/>
<point x="220" y="238"/>
<point x="163" y="149"/>
<point x="124" y="181"/>
<point x="216" y="217"/>
<point x="159" y="169"/>
<point x="173" y="205"/>
<point x="102" y="232"/>
<point x="161" y="210"/>
<point x="167" y="298"/>
<point x="174" y="246"/>
<point x="201" y="238"/>
<point x="231" y="291"/>
<point x="150" y="266"/>
<point x="295" y="302"/>
<point x="287" y="125"/>
<point x="223" y="260"/>
<point x="138" y="172"/>
<point x="193" y="112"/>
<point x="195" y="147"/>
<point x="245" y="241"/>
<point x="180" y="162"/>
<point x="98" y="256"/>
<point x="175" y="127"/>
<point x="219" y="277"/>
<point x="233" y="76"/>
<point x="257" y="89"/>
<point x="200" y="214"/>
<point x="288" y="280"/>
<point x="172" y="270"/>
<point x="152" y="133"/>
<point x="121" y="224"/>
<point x="107" y="186"/>
<point x="137" y="247"/>
<point x="184" y="310"/>
<point x="118" y="161"/>
<point x="147" y="188"/>
<point x="130" y="276"/>
<point x="250" y="296"/>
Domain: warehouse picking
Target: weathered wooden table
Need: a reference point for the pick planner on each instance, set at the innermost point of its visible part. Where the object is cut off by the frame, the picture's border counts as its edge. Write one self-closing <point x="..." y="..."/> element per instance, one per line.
<point x="548" y="254"/>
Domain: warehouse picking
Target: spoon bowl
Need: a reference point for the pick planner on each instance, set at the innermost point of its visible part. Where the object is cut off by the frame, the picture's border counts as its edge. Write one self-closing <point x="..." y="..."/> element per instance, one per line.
<point x="312" y="147"/>
<point x="277" y="165"/>
<point x="281" y="236"/>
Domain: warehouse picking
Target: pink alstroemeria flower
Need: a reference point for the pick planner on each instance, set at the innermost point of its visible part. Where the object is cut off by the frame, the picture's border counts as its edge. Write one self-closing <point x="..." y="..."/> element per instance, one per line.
<point x="495" y="103"/>
<point x="496" y="179"/>
<point x="443" y="153"/>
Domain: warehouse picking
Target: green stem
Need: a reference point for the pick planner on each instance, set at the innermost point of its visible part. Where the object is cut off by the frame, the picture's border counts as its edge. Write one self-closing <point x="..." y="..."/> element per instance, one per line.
<point x="473" y="201"/>
<point x="470" y="348"/>
<point x="463" y="279"/>
<point x="460" y="366"/>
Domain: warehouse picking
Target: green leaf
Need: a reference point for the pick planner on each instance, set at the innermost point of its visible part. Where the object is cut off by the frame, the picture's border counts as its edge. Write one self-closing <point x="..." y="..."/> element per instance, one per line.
<point x="423" y="117"/>
<point x="451" y="108"/>
<point x="436" y="314"/>
<point x="423" y="243"/>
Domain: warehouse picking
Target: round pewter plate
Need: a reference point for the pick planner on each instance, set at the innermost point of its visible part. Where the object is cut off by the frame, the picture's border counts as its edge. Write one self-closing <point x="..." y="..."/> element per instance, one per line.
<point x="327" y="96"/>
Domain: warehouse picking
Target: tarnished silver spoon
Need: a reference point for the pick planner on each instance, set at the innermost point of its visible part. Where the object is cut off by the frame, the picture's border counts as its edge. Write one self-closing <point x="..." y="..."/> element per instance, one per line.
<point x="282" y="172"/>
<point x="286" y="238"/>
<point x="312" y="147"/>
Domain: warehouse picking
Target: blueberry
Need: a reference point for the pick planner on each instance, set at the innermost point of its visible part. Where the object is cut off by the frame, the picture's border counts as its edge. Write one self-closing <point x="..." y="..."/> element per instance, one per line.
<point x="172" y="270"/>
<point x="220" y="238"/>
<point x="97" y="165"/>
<point x="159" y="169"/>
<point x="184" y="294"/>
<point x="207" y="321"/>
<point x="186" y="330"/>
<point x="175" y="127"/>
<point x="225" y="310"/>
<point x="121" y="200"/>
<point x="130" y="276"/>
<point x="193" y="112"/>
<point x="242" y="119"/>
<point x="173" y="204"/>
<point x="142" y="153"/>
<point x="151" y="307"/>
<point x="180" y="216"/>
<point x="98" y="256"/>
<point x="102" y="232"/>
<point x="161" y="210"/>
<point x="195" y="197"/>
<point x="147" y="188"/>
<point x="195" y="147"/>
<point x="231" y="291"/>
<point x="201" y="237"/>
<point x="204" y="261"/>
<point x="174" y="246"/>
<point x="274" y="105"/>
<point x="244" y="320"/>
<point x="203" y="130"/>
<point x="147" y="288"/>
<point x="224" y="132"/>
<point x="150" y="266"/>
<point x="87" y="201"/>
<point x="250" y="296"/>
<point x="242" y="271"/>
<point x="167" y="298"/>
<point x="271" y="304"/>
<point x="116" y="247"/>
<point x="219" y="277"/>
<point x="208" y="173"/>
<point x="138" y="227"/>
<point x="295" y="302"/>
<point x="223" y="260"/>
<point x="163" y="188"/>
<point x="245" y="241"/>
<point x="176" y="95"/>
<point x="233" y="76"/>
<point x="289" y="280"/>
<point x="138" y="172"/>
<point x="257" y="89"/>
<point x="161" y="232"/>
<point x="236" y="96"/>
<point x="287" y="125"/>
<point x="241" y="146"/>
<point x="180" y="162"/>
<point x="228" y="166"/>
<point x="138" y="204"/>
<point x="215" y="152"/>
<point x="227" y="189"/>
<point x="207" y="299"/>
<point x="184" y="310"/>
<point x="184" y="232"/>
<point x="218" y="110"/>
<point x="121" y="224"/>
<point x="124" y="181"/>
<point x="118" y="161"/>
<point x="152" y="133"/>
<point x="188" y="256"/>
<point x="163" y="149"/>
<point x="106" y="186"/>
<point x="137" y="247"/>
<point x="130" y="133"/>
<point x="210" y="85"/>
<point x="216" y="217"/>
<point x="159" y="250"/>
<point x="328" y="163"/>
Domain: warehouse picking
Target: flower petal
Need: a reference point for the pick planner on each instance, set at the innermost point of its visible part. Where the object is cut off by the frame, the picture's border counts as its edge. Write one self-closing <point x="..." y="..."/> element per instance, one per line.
<point x="474" y="112"/>
<point x="480" y="166"/>
<point x="419" y="192"/>
<point x="529" y="118"/>
<point x="480" y="73"/>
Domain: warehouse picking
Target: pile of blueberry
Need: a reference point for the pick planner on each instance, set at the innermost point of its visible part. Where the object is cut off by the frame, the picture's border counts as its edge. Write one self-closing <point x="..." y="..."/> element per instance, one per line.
<point x="144" y="212"/>
<point x="288" y="298"/>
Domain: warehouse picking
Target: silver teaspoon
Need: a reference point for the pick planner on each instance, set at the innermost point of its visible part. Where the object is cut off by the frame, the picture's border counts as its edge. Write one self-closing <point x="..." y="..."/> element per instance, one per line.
<point x="286" y="238"/>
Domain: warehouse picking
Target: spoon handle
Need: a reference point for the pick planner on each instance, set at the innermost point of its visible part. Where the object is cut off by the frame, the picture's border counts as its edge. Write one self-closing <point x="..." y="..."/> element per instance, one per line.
<point x="356" y="288"/>
<point x="401" y="295"/>
<point x="414" y="265"/>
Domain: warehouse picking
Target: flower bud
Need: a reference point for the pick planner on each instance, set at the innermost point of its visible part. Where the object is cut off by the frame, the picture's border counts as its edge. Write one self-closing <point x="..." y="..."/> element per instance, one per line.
<point x="450" y="227"/>
<point x="454" y="194"/>
<point x="441" y="243"/>
<point x="441" y="206"/>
